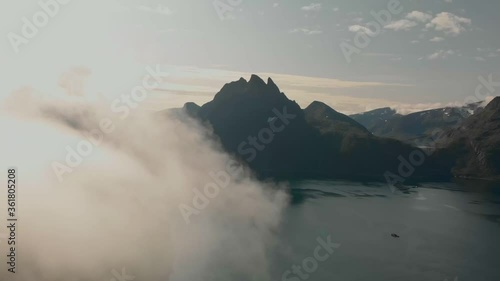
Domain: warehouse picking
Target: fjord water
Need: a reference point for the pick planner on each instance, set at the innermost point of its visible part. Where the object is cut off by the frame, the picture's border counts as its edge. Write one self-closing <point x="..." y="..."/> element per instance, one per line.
<point x="448" y="231"/>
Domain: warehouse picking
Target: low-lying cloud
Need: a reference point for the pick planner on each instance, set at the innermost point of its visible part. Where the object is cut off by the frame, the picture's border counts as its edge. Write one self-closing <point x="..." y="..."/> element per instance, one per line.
<point x="118" y="211"/>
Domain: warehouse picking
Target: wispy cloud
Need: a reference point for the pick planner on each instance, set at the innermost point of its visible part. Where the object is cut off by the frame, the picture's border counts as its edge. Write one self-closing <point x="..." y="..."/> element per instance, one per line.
<point x="419" y="16"/>
<point x="411" y="20"/>
<point x="441" y="54"/>
<point x="401" y="25"/>
<point x="437" y="39"/>
<point x="313" y="7"/>
<point x="159" y="9"/>
<point x="489" y="52"/>
<point x="306" y="31"/>
<point x="359" y="28"/>
<point x="449" y="23"/>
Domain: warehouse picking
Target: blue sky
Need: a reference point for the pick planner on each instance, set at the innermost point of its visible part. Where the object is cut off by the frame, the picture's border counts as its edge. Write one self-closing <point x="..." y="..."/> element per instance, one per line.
<point x="430" y="54"/>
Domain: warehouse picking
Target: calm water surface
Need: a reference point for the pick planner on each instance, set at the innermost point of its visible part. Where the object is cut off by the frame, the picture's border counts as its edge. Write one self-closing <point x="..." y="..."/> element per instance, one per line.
<point x="447" y="231"/>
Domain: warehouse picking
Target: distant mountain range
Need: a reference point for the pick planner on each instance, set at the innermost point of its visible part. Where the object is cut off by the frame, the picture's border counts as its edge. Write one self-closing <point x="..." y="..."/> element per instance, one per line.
<point x="386" y="122"/>
<point x="473" y="148"/>
<point x="258" y="124"/>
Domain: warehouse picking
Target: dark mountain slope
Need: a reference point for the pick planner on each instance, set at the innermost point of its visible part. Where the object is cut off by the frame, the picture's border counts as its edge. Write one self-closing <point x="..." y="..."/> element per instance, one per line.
<point x="260" y="125"/>
<point x="349" y="150"/>
<point x="473" y="149"/>
<point x="326" y="118"/>
<point x="375" y="118"/>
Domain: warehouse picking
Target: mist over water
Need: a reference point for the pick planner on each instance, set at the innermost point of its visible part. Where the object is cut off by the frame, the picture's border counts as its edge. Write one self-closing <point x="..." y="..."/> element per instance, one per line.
<point x="119" y="208"/>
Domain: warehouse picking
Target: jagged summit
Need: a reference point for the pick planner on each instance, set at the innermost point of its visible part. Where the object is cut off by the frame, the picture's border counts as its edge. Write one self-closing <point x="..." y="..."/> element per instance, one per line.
<point x="272" y="86"/>
<point x="256" y="81"/>
<point x="248" y="92"/>
<point x="258" y="86"/>
<point x="252" y="97"/>
<point x="254" y="86"/>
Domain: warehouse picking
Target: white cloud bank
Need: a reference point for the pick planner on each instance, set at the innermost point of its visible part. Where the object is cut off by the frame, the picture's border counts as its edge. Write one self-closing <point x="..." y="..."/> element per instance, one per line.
<point x="119" y="209"/>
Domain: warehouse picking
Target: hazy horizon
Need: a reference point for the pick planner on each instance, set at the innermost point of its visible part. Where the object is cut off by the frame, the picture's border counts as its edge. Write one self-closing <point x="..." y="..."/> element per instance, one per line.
<point x="205" y="44"/>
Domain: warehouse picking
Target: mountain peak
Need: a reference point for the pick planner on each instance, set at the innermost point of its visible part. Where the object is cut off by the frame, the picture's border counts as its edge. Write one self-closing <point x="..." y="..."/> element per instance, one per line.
<point x="494" y="103"/>
<point x="191" y="108"/>
<point x="257" y="85"/>
<point x="272" y="86"/>
<point x="256" y="81"/>
<point x="318" y="105"/>
<point x="191" y="105"/>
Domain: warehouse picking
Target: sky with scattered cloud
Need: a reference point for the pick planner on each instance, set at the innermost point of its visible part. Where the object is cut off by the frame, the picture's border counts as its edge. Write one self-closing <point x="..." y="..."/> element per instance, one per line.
<point x="429" y="53"/>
